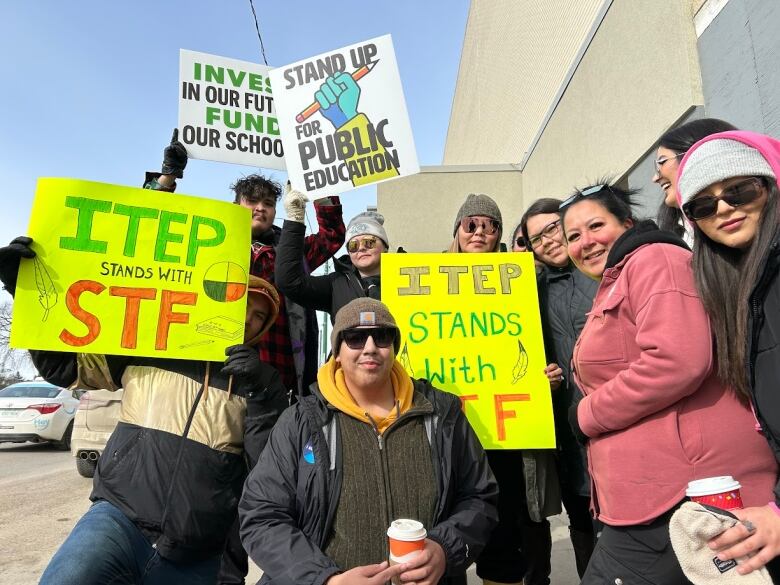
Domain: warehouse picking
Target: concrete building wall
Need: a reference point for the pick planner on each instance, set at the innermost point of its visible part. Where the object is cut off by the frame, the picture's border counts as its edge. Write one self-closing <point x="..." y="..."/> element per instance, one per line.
<point x="420" y="210"/>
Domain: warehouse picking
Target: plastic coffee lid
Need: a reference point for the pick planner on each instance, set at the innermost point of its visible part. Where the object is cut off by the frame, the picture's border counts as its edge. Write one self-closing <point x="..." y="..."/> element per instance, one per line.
<point x="405" y="529"/>
<point x="712" y="485"/>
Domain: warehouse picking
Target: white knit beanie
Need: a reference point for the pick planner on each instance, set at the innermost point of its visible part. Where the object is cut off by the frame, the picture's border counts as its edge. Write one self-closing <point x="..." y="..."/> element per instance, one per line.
<point x="717" y="160"/>
<point x="368" y="223"/>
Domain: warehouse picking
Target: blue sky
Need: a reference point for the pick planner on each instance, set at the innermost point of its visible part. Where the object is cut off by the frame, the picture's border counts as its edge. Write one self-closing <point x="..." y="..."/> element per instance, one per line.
<point x="90" y="88"/>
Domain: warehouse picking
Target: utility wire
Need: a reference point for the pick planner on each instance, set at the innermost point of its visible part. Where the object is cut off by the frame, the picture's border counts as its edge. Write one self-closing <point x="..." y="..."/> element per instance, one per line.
<point x="257" y="27"/>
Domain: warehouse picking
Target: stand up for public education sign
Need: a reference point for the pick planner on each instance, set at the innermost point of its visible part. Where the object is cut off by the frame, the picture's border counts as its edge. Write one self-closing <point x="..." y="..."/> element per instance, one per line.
<point x="129" y="271"/>
<point x="470" y="325"/>
<point x="343" y="119"/>
<point x="227" y="112"/>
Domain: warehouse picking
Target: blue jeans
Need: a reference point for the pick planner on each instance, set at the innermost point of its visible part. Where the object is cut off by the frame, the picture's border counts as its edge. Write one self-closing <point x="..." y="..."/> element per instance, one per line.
<point x="106" y="548"/>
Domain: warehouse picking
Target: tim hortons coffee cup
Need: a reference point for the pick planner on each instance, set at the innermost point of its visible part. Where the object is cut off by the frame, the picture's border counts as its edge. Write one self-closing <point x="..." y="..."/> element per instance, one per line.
<point x="721" y="492"/>
<point x="406" y="538"/>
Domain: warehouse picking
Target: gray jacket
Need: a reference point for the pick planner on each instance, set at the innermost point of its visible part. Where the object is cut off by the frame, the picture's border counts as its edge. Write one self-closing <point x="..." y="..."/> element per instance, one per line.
<point x="290" y="497"/>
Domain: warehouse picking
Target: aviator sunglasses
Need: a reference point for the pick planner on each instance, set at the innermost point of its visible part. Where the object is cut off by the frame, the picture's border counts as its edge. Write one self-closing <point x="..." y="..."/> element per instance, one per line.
<point x="471" y="223"/>
<point x="354" y="244"/>
<point x="356" y="338"/>
<point x="735" y="195"/>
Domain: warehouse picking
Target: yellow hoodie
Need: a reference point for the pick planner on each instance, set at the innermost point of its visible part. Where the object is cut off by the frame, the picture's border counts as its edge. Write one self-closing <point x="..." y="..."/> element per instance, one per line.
<point x="334" y="389"/>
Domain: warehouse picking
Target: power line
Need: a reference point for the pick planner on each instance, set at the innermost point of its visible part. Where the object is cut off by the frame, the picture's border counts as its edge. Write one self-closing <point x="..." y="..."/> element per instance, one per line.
<point x="257" y="27"/>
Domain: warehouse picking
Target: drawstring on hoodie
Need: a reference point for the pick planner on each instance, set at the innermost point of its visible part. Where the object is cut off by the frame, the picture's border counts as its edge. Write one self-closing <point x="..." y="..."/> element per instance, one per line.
<point x="206" y="382"/>
<point x="230" y="385"/>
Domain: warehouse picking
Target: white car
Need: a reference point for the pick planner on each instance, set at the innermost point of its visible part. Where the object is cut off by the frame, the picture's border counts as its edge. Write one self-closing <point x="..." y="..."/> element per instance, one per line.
<point x="37" y="411"/>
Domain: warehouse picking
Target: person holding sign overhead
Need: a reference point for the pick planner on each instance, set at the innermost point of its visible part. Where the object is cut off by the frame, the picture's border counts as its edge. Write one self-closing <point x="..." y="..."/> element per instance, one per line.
<point x="477" y="229"/>
<point x="356" y="274"/>
<point x="166" y="489"/>
<point x="655" y="414"/>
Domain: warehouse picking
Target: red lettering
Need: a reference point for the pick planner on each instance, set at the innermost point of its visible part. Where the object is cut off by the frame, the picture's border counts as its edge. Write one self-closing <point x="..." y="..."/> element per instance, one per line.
<point x="502" y="415"/>
<point x="133" y="297"/>
<point x="465" y="398"/>
<point x="90" y="320"/>
<point x="168" y="315"/>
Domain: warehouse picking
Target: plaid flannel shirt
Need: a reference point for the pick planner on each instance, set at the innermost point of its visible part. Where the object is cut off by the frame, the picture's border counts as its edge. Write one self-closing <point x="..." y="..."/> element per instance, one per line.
<point x="276" y="345"/>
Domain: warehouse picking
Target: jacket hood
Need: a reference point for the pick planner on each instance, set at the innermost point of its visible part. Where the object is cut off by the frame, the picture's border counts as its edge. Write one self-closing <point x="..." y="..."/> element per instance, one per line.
<point x="258" y="286"/>
<point x="643" y="232"/>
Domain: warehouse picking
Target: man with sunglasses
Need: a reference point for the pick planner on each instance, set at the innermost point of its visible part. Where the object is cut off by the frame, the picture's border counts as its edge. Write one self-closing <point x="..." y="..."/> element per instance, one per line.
<point x="370" y="445"/>
<point x="356" y="274"/>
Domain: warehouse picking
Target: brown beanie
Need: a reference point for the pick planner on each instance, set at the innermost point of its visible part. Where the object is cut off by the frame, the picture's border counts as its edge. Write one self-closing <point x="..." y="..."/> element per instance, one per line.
<point x="258" y="286"/>
<point x="362" y="312"/>
<point x="478" y="204"/>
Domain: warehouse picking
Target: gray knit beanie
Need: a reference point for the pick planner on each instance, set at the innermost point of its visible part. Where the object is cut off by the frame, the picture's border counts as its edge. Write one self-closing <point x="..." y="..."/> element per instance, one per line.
<point x="362" y="312"/>
<point x="367" y="223"/>
<point x="478" y="204"/>
<point x="717" y="160"/>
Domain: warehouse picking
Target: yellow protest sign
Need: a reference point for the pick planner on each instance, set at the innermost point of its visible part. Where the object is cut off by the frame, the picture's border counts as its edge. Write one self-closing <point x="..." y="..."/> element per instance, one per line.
<point x="470" y="325"/>
<point x="129" y="271"/>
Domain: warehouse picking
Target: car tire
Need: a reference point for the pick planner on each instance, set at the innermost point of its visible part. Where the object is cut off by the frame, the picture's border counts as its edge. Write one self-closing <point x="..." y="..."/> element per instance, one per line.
<point x="64" y="443"/>
<point x="86" y="467"/>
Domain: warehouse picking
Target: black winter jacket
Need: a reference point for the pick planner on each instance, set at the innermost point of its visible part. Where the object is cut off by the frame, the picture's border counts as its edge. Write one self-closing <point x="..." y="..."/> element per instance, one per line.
<point x="568" y="297"/>
<point x="290" y="497"/>
<point x="326" y="293"/>
<point x="175" y="463"/>
<point x="764" y="349"/>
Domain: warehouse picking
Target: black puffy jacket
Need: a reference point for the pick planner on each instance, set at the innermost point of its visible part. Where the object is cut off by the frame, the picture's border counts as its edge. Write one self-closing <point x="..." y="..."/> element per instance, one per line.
<point x="289" y="502"/>
<point x="764" y="349"/>
<point x="328" y="292"/>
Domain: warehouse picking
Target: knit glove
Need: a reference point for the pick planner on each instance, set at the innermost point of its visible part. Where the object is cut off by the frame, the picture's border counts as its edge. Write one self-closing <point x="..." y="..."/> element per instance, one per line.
<point x="174" y="157"/>
<point x="295" y="204"/>
<point x="10" y="258"/>
<point x="690" y="528"/>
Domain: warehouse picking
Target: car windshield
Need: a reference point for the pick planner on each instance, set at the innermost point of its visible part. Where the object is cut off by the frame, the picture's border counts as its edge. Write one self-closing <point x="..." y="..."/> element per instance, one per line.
<point x="29" y="392"/>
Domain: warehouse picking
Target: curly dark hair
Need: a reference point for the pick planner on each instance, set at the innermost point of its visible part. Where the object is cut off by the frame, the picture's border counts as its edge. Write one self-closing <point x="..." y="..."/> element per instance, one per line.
<point x="256" y="187"/>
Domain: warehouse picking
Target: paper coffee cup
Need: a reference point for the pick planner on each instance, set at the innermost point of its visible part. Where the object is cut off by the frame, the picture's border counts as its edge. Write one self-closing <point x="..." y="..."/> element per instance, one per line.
<point x="406" y="538"/>
<point x="721" y="492"/>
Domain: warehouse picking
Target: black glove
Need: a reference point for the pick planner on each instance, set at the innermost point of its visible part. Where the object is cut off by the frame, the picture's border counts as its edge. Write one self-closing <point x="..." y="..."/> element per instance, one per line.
<point x="174" y="157"/>
<point x="10" y="257"/>
<point x="581" y="437"/>
<point x="243" y="361"/>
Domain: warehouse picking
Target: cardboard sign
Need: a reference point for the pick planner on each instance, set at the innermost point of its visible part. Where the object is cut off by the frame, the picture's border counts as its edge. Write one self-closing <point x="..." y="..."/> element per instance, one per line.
<point x="343" y="119"/>
<point x="470" y="324"/>
<point x="227" y="112"/>
<point x="130" y="271"/>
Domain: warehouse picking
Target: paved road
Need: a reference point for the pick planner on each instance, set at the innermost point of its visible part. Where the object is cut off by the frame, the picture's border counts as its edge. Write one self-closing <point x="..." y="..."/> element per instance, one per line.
<point x="43" y="496"/>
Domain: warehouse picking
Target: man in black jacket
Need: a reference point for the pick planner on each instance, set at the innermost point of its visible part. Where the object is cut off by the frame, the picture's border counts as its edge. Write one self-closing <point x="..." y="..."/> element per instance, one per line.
<point x="368" y="446"/>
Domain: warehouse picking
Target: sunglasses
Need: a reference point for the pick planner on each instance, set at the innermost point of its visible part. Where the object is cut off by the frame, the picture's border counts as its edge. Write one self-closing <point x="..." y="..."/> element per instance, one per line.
<point x="354" y="244"/>
<point x="471" y="223"/>
<point x="735" y="195"/>
<point x="661" y="161"/>
<point x="548" y="231"/>
<point x="520" y="242"/>
<point x="594" y="190"/>
<point x="356" y="338"/>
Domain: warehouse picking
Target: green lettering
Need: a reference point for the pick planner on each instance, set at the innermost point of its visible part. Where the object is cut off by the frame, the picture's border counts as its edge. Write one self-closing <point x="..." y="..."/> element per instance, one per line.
<point x="195" y="242"/>
<point x="164" y="235"/>
<point x="135" y="215"/>
<point x="82" y="242"/>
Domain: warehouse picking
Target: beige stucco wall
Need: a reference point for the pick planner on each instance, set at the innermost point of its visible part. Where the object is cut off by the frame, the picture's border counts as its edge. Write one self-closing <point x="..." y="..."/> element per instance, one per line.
<point x="420" y="210"/>
<point x="639" y="75"/>
<point x="514" y="59"/>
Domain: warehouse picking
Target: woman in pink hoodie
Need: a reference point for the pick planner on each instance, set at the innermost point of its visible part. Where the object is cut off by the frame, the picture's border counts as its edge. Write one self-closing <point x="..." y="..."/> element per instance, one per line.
<point x="728" y="189"/>
<point x="654" y="414"/>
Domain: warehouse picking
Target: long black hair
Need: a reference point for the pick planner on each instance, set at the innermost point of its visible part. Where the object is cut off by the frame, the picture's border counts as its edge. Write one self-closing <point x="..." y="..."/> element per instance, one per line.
<point x="680" y="140"/>
<point x="619" y="202"/>
<point x="724" y="277"/>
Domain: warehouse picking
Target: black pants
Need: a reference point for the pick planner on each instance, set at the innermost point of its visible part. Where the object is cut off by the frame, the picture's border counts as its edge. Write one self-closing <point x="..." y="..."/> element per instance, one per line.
<point x="635" y="555"/>
<point x="234" y="564"/>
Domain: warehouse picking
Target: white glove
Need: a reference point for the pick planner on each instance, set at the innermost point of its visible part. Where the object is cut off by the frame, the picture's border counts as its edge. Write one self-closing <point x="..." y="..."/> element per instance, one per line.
<point x="295" y="204"/>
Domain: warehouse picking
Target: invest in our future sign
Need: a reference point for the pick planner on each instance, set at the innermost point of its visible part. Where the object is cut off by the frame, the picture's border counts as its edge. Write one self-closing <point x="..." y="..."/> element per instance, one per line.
<point x="470" y="325"/>
<point x="121" y="270"/>
<point x="343" y="119"/>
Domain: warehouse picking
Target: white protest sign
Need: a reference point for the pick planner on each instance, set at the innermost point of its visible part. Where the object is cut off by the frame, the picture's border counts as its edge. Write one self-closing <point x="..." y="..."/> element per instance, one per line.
<point x="343" y="119"/>
<point x="227" y="112"/>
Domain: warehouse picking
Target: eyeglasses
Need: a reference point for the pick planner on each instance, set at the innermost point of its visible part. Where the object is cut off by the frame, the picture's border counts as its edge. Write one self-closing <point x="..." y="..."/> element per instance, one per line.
<point x="548" y="231"/>
<point x="521" y="243"/>
<point x="354" y="244"/>
<point x="735" y="195"/>
<point x="662" y="160"/>
<point x="356" y="338"/>
<point x="472" y="222"/>
<point x="595" y="189"/>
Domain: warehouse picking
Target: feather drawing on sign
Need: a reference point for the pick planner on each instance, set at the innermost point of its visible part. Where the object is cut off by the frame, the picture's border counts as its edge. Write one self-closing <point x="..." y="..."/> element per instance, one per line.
<point x="521" y="365"/>
<point x="406" y="362"/>
<point x="47" y="293"/>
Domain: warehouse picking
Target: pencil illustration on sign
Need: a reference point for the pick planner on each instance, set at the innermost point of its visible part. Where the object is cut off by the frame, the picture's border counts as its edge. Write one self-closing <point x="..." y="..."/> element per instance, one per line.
<point x="343" y="119"/>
